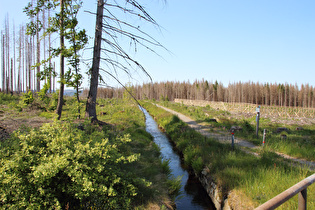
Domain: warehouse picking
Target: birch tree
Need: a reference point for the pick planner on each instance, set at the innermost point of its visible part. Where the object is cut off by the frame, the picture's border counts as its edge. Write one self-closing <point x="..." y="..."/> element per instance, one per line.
<point x="62" y="23"/>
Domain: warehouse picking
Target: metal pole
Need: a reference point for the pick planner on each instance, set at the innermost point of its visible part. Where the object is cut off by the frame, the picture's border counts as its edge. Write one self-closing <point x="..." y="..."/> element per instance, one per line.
<point x="232" y="140"/>
<point x="257" y="119"/>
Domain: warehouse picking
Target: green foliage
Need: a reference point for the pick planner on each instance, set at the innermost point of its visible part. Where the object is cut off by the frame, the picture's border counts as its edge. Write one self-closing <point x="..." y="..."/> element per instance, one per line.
<point x="162" y="98"/>
<point x="54" y="101"/>
<point x="124" y="116"/>
<point x="27" y="98"/>
<point x="42" y="94"/>
<point x="59" y="165"/>
<point x="7" y="98"/>
<point x="197" y="164"/>
<point x="174" y="186"/>
<point x="165" y="167"/>
<point x="129" y="92"/>
<point x="77" y="39"/>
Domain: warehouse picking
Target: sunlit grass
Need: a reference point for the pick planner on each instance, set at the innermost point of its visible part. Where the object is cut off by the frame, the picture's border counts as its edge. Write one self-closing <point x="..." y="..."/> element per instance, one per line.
<point x="299" y="143"/>
<point x="260" y="178"/>
<point x="124" y="117"/>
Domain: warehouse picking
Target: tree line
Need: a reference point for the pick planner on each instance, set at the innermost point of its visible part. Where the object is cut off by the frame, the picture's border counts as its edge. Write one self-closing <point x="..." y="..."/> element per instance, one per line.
<point x="238" y="92"/>
<point x="20" y="52"/>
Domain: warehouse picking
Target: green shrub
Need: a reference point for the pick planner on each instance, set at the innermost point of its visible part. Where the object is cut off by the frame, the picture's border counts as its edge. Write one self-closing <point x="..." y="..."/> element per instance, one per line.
<point x="58" y="166"/>
<point x="27" y="98"/>
<point x="42" y="94"/>
<point x="7" y="98"/>
<point x="54" y="101"/>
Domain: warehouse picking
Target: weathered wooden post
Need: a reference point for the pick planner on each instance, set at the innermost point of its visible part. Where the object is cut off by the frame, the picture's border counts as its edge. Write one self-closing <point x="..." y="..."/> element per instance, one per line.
<point x="302" y="200"/>
<point x="257" y="120"/>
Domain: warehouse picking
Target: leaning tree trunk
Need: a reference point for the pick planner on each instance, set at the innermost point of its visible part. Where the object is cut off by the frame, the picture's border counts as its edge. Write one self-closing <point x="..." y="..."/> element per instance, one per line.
<point x="90" y="110"/>
<point x="60" y="97"/>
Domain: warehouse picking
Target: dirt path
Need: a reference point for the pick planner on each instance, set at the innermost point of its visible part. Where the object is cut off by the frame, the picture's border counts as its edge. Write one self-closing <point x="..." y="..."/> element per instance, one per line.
<point x="238" y="142"/>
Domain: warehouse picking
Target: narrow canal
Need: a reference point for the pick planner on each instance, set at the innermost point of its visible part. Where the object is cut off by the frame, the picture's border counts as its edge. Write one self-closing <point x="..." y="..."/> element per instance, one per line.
<point x="193" y="196"/>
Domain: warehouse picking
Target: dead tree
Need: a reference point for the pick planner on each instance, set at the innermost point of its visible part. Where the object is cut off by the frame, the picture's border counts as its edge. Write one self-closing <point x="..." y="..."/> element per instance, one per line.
<point x="3" y="62"/>
<point x="109" y="49"/>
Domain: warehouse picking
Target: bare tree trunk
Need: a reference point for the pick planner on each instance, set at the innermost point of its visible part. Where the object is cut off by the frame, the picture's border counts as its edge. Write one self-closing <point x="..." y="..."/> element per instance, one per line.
<point x="44" y="44"/>
<point x="3" y="63"/>
<point x="7" y="33"/>
<point x="14" y="72"/>
<point x="20" y="60"/>
<point x="60" y="98"/>
<point x="90" y="110"/>
<point x="29" y="64"/>
<point x="34" y="62"/>
<point x="54" y="78"/>
<point x="37" y="58"/>
<point x="11" y="88"/>
<point x="52" y="82"/>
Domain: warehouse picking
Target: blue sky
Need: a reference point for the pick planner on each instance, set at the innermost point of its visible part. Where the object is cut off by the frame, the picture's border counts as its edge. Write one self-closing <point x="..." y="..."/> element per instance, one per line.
<point x="225" y="40"/>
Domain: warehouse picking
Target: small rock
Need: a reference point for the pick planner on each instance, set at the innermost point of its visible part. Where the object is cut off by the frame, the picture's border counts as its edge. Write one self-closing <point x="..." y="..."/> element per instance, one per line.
<point x="236" y="128"/>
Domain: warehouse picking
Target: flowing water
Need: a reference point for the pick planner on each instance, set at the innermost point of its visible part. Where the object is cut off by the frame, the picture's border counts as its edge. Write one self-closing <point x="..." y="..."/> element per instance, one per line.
<point x="193" y="196"/>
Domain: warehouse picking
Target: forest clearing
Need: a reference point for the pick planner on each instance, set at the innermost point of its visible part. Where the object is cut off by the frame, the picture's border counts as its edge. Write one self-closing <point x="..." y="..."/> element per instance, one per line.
<point x="235" y="172"/>
<point x="241" y="143"/>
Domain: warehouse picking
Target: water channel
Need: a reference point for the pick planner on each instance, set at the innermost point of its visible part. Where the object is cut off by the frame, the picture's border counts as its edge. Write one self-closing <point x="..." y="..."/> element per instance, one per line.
<point x="193" y="196"/>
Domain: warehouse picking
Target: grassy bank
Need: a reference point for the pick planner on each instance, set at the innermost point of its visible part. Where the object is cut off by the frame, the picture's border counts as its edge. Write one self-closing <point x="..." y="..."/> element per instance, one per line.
<point x="74" y="164"/>
<point x="253" y="180"/>
<point x="297" y="141"/>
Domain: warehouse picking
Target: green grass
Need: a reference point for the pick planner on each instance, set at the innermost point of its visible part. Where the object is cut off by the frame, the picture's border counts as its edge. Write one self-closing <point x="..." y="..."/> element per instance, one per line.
<point x="8" y="98"/>
<point x="123" y="117"/>
<point x="299" y="143"/>
<point x="260" y="178"/>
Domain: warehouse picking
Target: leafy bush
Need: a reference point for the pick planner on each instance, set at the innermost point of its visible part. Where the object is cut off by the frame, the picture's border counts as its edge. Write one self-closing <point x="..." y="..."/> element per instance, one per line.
<point x="60" y="166"/>
<point x="7" y="98"/>
<point x="54" y="101"/>
<point x="27" y="98"/>
<point x="42" y="94"/>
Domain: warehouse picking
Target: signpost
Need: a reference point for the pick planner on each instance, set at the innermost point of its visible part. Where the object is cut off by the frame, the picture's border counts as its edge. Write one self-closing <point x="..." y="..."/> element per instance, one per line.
<point x="257" y="119"/>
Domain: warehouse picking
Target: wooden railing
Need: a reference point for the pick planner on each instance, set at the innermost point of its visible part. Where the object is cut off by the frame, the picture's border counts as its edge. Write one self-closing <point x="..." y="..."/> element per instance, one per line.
<point x="300" y="188"/>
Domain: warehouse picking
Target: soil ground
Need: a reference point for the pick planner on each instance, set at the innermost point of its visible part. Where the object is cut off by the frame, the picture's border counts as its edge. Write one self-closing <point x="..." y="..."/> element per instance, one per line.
<point x="11" y="120"/>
